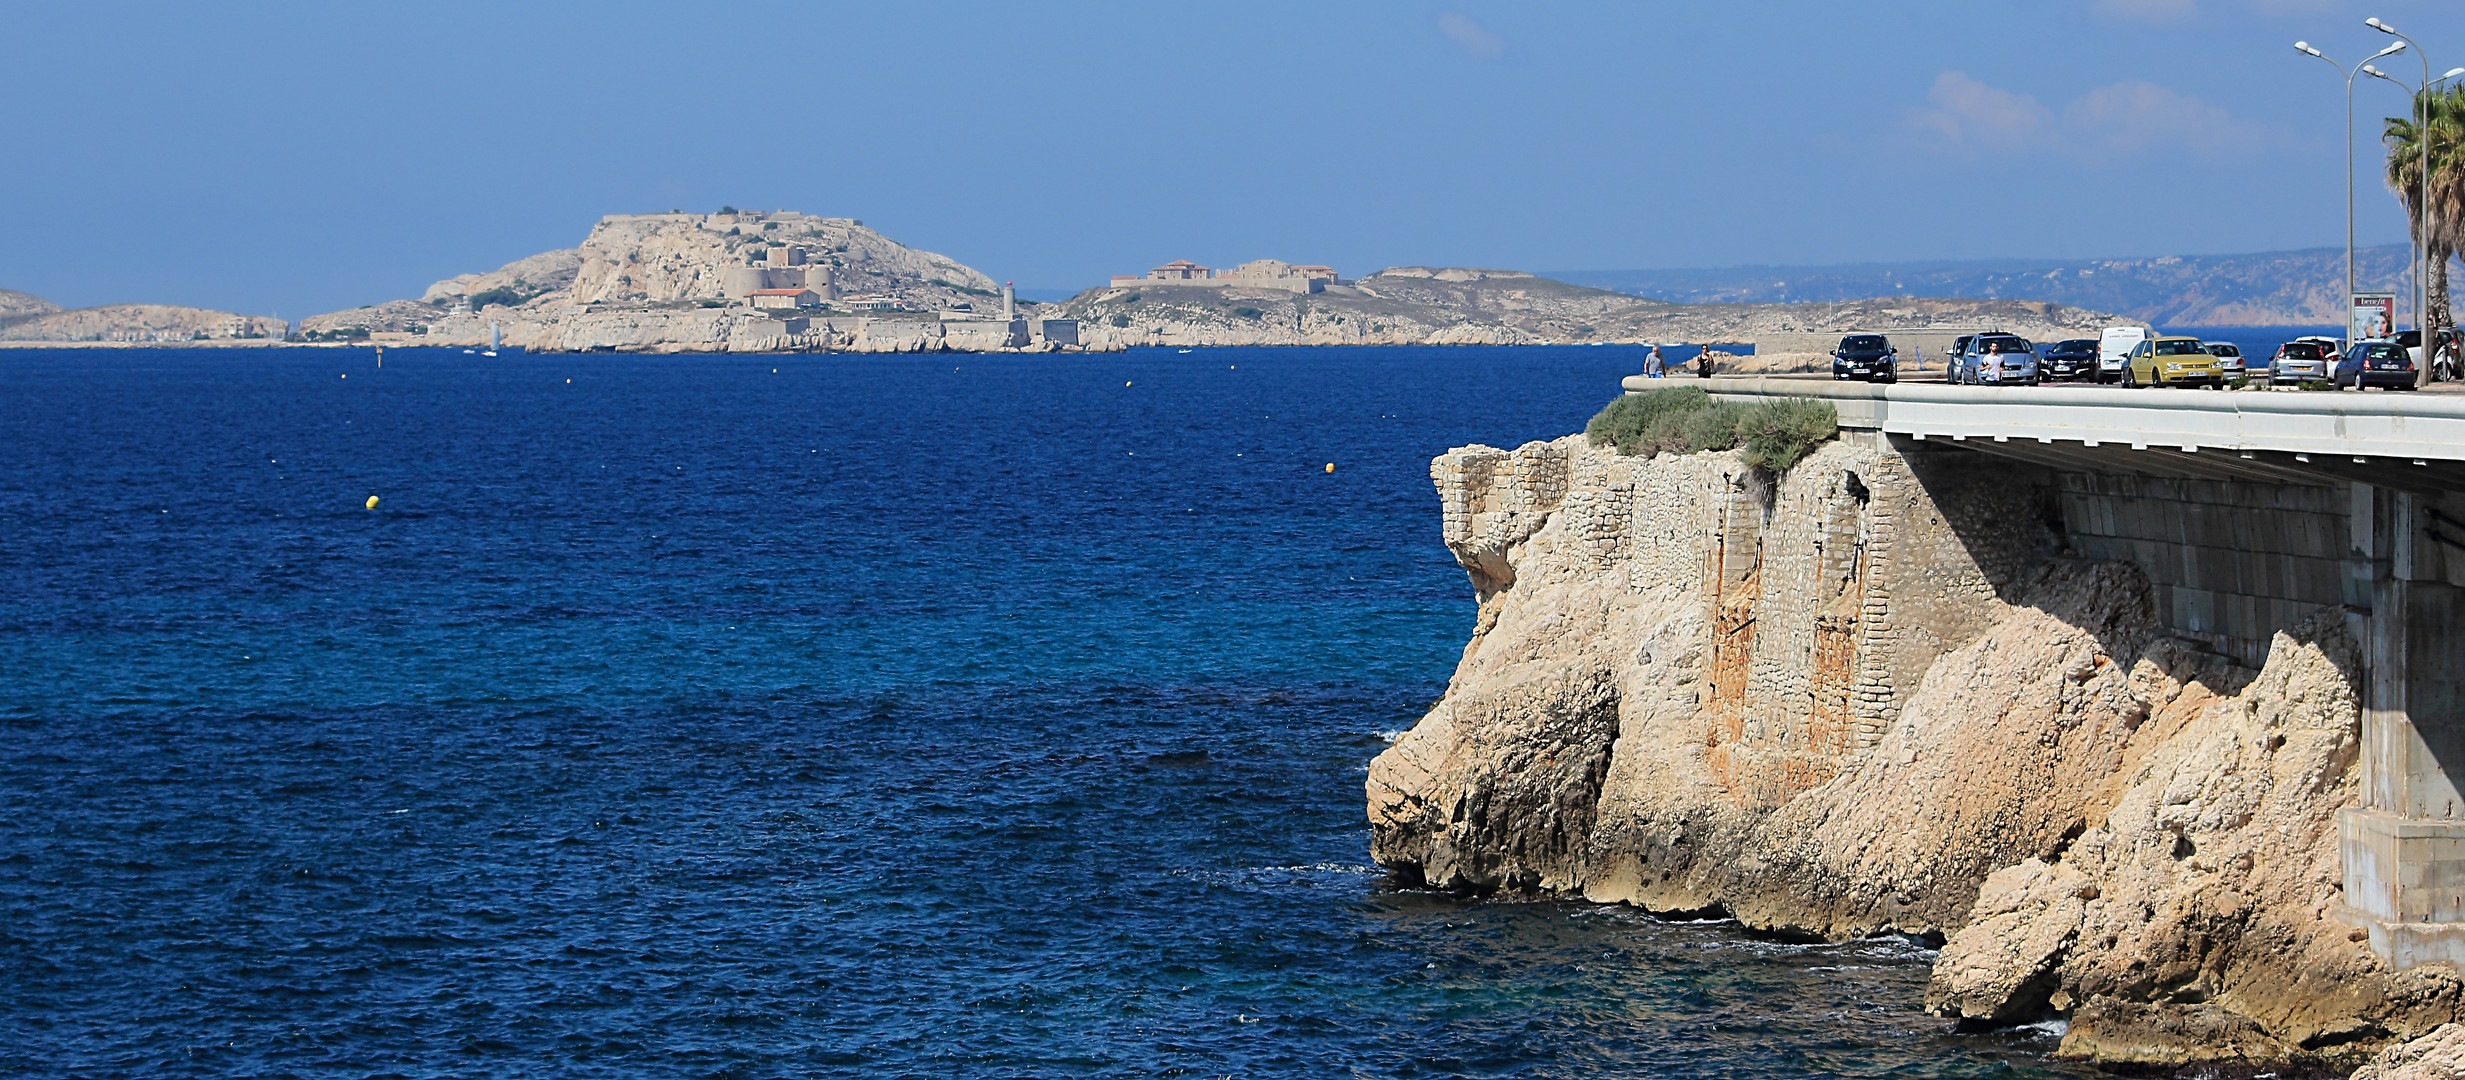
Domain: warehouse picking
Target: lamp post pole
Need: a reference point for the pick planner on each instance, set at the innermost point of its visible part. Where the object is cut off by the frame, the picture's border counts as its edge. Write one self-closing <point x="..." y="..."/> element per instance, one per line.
<point x="2422" y="216"/>
<point x="2304" y="47"/>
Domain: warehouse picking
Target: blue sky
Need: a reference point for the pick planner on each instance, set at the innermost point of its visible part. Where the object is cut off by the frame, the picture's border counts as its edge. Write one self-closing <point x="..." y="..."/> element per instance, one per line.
<point x="310" y="157"/>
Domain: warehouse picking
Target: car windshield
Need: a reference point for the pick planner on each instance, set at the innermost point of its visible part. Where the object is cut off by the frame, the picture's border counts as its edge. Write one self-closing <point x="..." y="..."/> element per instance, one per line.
<point x="1863" y="342"/>
<point x="2224" y="350"/>
<point x="2074" y="348"/>
<point x="2178" y="347"/>
<point x="2301" y="350"/>
<point x="2002" y="345"/>
<point x="2381" y="350"/>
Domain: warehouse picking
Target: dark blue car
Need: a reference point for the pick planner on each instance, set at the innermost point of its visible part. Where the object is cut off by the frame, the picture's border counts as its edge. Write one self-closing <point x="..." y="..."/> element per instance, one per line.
<point x="2384" y="364"/>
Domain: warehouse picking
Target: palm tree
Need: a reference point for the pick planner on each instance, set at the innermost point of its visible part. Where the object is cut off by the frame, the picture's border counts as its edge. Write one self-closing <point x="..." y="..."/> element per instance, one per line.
<point x="2444" y="119"/>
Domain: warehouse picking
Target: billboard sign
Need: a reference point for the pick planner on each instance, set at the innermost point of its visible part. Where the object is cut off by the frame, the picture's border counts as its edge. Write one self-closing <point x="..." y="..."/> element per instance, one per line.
<point x="2371" y="315"/>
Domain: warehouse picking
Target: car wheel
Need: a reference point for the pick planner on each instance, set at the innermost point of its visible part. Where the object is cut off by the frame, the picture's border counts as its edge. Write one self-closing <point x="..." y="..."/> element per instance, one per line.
<point x="2130" y="379"/>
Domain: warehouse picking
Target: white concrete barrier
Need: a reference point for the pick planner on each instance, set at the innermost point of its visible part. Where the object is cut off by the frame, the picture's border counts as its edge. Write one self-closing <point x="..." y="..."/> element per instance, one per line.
<point x="2379" y="424"/>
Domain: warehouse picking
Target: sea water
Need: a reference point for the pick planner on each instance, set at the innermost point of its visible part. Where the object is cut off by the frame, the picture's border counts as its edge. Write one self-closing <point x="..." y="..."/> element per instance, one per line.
<point x="795" y="716"/>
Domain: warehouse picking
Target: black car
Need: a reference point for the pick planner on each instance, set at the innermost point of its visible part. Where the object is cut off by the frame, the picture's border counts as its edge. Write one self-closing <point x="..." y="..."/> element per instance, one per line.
<point x="2074" y="359"/>
<point x="1866" y="356"/>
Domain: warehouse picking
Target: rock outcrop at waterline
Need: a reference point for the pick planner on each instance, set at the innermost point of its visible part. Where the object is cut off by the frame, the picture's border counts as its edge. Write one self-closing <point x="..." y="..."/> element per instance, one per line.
<point x="1873" y="695"/>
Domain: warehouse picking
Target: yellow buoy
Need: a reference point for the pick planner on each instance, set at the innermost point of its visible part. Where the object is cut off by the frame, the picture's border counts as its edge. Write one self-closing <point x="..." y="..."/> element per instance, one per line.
<point x="346" y="375"/>
<point x="569" y="382"/>
<point x="1330" y="466"/>
<point x="372" y="502"/>
<point x="1125" y="382"/>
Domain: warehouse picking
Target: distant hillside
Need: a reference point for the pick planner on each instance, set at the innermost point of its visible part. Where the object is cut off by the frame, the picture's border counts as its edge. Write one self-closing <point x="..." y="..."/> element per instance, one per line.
<point x="2274" y="288"/>
<point x="1457" y="306"/>
<point x="15" y="306"/>
<point x="28" y="318"/>
<point x="140" y="323"/>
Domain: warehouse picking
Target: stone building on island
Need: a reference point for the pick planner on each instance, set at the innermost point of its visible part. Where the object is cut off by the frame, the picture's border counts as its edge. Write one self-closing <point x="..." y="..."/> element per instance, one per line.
<point x="783" y="298"/>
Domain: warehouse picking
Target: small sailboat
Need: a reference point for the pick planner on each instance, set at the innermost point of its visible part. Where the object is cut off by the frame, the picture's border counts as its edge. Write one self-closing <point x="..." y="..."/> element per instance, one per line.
<point x="492" y="339"/>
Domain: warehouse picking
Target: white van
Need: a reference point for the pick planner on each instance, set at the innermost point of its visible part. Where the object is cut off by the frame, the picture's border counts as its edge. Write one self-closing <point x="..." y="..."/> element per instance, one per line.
<point x="2114" y="349"/>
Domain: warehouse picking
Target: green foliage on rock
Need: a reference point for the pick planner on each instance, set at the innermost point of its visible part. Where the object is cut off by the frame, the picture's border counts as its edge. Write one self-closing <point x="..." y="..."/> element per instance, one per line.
<point x="509" y="296"/>
<point x="1685" y="420"/>
<point x="1628" y="418"/>
<point x="1778" y="434"/>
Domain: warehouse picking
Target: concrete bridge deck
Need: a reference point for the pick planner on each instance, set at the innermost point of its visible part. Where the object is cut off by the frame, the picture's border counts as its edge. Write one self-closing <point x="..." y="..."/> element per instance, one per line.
<point x="2250" y="512"/>
<point x="2404" y="441"/>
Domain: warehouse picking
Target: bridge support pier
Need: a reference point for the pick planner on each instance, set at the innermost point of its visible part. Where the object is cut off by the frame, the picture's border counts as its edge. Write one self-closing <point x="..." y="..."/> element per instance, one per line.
<point x="2403" y="846"/>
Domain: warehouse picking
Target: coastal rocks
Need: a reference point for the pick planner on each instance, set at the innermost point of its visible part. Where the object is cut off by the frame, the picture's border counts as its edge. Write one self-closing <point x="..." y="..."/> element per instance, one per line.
<point x="1874" y="695"/>
<point x="1479" y="334"/>
<point x="2439" y="1055"/>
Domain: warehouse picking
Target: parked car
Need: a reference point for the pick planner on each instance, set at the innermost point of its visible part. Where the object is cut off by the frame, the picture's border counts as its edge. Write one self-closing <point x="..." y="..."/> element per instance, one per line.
<point x="2114" y="346"/>
<point x="2171" y="361"/>
<point x="2073" y="359"/>
<point x="2297" y="361"/>
<point x="2229" y="359"/>
<point x="1866" y="356"/>
<point x="2331" y="350"/>
<point x="1998" y="360"/>
<point x="1951" y="357"/>
<point x="2384" y="364"/>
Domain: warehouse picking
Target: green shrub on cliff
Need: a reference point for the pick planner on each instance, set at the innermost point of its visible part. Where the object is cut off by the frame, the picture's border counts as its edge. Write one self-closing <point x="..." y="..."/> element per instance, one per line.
<point x="1629" y="417"/>
<point x="1685" y="420"/>
<point x="1779" y="433"/>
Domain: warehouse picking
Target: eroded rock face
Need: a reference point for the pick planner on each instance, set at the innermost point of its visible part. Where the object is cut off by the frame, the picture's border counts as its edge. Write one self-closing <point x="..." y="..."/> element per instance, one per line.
<point x="1874" y="695"/>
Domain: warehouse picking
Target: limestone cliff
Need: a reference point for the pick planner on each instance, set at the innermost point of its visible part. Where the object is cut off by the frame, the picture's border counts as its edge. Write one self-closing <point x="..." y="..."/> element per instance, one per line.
<point x="1880" y="694"/>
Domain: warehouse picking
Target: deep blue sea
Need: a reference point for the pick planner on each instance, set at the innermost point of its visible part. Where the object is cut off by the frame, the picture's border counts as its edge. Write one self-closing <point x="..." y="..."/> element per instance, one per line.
<point x="794" y="716"/>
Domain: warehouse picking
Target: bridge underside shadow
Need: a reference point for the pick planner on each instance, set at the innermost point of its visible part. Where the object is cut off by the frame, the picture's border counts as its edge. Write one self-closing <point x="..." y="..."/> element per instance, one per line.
<point x="2240" y="545"/>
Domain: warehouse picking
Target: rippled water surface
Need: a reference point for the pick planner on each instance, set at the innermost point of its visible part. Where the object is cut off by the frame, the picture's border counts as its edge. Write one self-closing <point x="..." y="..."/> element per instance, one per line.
<point x="793" y="716"/>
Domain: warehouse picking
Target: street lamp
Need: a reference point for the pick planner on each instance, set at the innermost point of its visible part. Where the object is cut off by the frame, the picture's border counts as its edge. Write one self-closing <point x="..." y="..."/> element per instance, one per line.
<point x="2305" y="48"/>
<point x="2422" y="217"/>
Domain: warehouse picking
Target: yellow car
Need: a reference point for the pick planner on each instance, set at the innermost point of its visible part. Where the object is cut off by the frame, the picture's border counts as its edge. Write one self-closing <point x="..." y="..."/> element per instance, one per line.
<point x="2172" y="361"/>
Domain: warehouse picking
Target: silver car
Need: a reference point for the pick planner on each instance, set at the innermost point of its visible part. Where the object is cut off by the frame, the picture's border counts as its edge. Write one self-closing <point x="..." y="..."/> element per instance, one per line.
<point x="1997" y="360"/>
<point x="2298" y="361"/>
<point x="2229" y="358"/>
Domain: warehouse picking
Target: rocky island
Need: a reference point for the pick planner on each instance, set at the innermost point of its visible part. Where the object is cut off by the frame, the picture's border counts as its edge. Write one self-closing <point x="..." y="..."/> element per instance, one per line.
<point x="1908" y="688"/>
<point x="786" y="281"/>
<point x="1419" y="305"/>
